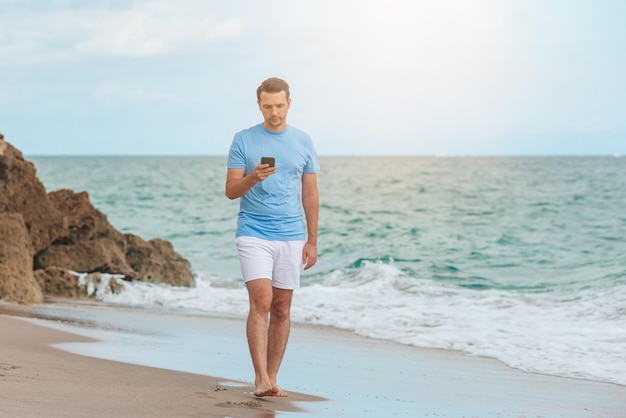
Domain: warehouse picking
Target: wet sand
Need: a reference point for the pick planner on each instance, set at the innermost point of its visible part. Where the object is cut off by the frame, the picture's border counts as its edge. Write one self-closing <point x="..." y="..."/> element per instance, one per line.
<point x="38" y="380"/>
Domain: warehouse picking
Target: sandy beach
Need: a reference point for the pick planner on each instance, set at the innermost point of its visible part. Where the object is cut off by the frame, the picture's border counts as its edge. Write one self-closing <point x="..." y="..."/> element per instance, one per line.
<point x="327" y="373"/>
<point x="41" y="381"/>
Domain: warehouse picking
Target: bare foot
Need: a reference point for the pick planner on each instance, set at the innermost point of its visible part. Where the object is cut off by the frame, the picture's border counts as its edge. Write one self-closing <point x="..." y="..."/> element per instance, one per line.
<point x="263" y="390"/>
<point x="260" y="392"/>
<point x="279" y="392"/>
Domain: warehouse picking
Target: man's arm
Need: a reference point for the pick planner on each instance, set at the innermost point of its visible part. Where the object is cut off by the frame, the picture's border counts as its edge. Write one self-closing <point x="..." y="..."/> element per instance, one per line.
<point x="311" y="205"/>
<point x="238" y="185"/>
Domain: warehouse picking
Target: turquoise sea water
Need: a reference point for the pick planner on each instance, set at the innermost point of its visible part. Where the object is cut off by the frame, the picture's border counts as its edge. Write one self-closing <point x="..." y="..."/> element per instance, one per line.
<point x="520" y="259"/>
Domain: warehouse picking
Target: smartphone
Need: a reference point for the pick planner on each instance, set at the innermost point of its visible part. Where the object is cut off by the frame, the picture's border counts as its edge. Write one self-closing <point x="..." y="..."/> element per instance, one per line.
<point x="268" y="160"/>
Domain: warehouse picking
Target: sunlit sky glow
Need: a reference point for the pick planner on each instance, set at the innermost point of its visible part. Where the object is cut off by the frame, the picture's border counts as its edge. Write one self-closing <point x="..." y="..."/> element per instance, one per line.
<point x="368" y="77"/>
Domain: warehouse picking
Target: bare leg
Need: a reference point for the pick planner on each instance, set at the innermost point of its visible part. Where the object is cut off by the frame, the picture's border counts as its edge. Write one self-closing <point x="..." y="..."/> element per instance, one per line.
<point x="267" y="343"/>
<point x="278" y="334"/>
<point x="260" y="294"/>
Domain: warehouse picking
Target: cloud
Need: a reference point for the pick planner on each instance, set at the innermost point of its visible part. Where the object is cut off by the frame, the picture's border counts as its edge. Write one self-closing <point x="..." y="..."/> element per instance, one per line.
<point x="154" y="29"/>
<point x="54" y="32"/>
<point x="368" y="75"/>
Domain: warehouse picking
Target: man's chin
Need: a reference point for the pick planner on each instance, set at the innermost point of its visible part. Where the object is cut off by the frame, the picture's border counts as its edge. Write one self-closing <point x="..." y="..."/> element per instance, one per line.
<point x="275" y="125"/>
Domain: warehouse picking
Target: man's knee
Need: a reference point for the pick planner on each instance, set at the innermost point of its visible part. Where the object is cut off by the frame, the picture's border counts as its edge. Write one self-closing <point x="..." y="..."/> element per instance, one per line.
<point x="260" y="294"/>
<point x="261" y="303"/>
<point x="280" y="309"/>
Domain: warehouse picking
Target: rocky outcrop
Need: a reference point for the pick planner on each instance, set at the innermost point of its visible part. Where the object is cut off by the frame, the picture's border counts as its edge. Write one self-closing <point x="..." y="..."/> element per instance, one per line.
<point x="44" y="237"/>
<point x="156" y="261"/>
<point x="17" y="282"/>
<point x="22" y="192"/>
<point x="91" y="243"/>
<point x="59" y="282"/>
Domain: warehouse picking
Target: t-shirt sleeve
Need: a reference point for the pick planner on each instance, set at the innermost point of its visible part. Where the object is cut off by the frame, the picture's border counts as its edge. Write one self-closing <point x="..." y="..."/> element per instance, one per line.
<point x="236" y="155"/>
<point x="312" y="164"/>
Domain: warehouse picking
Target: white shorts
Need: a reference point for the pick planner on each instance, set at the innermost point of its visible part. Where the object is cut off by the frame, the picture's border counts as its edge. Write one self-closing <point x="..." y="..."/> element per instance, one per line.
<point x="280" y="261"/>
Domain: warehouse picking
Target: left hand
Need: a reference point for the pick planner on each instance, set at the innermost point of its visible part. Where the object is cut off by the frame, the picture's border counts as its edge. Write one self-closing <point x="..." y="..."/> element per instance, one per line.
<point x="309" y="255"/>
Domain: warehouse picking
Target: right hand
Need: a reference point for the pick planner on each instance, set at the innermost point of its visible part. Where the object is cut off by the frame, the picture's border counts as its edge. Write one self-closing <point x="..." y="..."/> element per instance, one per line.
<point x="263" y="171"/>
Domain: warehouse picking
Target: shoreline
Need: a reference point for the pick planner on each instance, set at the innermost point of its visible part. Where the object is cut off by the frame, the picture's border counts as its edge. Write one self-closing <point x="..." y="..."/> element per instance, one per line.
<point x="349" y="375"/>
<point x="39" y="379"/>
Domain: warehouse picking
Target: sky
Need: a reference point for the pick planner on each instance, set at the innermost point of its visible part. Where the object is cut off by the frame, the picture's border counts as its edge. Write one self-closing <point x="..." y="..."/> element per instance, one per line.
<point x="367" y="77"/>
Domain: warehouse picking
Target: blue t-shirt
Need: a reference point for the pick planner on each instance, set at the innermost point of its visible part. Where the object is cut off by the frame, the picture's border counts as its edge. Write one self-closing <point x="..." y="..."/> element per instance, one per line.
<point x="272" y="208"/>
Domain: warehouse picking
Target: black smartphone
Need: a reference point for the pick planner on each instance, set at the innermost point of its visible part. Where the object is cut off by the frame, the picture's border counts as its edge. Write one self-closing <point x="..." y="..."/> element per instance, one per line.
<point x="268" y="160"/>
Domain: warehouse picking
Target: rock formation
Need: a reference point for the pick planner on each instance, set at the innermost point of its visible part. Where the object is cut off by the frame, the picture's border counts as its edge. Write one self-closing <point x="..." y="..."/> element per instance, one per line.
<point x="45" y="236"/>
<point x="17" y="281"/>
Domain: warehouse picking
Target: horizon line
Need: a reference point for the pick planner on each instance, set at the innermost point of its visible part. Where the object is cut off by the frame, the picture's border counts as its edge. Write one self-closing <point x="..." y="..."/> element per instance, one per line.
<point x="437" y="155"/>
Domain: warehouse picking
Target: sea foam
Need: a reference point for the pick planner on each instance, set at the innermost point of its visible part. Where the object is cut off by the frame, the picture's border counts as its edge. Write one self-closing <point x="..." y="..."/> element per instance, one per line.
<point x="579" y="336"/>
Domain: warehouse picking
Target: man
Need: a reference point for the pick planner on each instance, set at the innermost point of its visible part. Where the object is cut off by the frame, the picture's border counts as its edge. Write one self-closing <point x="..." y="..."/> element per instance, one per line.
<point x="270" y="239"/>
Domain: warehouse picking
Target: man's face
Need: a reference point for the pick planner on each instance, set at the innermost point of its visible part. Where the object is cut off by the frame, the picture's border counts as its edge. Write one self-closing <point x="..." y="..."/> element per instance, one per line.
<point x="274" y="107"/>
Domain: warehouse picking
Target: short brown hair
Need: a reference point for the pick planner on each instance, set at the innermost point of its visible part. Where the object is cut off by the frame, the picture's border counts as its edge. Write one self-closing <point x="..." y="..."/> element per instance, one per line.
<point x="272" y="85"/>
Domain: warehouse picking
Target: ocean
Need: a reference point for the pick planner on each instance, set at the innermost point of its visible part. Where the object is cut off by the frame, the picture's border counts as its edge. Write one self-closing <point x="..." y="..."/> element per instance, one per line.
<point x="520" y="259"/>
